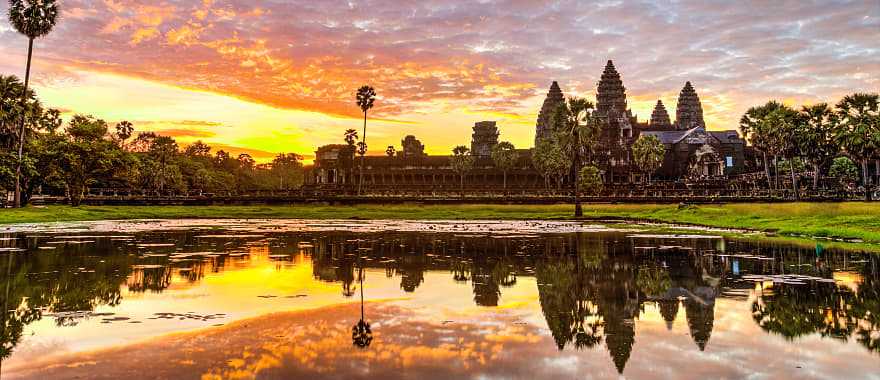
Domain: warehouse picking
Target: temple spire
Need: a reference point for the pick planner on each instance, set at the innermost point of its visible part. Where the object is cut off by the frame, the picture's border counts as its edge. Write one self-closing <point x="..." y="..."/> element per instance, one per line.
<point x="544" y="126"/>
<point x="689" y="111"/>
<point x="660" y="118"/>
<point x="611" y="95"/>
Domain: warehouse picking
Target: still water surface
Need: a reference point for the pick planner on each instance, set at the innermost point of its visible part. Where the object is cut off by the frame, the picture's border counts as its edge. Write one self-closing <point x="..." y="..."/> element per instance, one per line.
<point x="432" y="300"/>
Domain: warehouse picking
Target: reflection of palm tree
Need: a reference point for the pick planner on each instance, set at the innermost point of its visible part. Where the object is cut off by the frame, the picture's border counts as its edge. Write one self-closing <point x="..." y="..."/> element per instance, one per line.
<point x="361" y="335"/>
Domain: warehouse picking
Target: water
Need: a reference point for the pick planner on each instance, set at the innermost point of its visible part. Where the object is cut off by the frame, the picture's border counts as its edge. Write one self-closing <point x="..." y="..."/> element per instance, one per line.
<point x="283" y="299"/>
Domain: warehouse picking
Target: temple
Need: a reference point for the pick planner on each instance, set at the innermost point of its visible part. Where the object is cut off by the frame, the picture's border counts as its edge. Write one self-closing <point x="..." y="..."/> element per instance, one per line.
<point x="554" y="99"/>
<point x="693" y="153"/>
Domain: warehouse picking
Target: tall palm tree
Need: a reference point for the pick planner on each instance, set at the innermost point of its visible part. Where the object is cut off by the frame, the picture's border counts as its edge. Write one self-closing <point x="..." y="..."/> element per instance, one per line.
<point x="816" y="140"/>
<point x="759" y="133"/>
<point x="578" y="133"/>
<point x="366" y="95"/>
<point x="858" y="131"/>
<point x="34" y="19"/>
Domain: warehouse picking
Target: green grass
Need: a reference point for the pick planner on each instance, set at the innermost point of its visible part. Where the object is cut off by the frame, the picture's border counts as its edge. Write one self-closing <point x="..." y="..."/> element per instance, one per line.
<point x="852" y="220"/>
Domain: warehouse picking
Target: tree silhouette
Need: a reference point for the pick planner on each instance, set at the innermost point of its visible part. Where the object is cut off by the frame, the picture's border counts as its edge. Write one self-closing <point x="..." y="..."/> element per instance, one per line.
<point x="504" y="156"/>
<point x="34" y="19"/>
<point x="361" y="334"/>
<point x="462" y="162"/>
<point x="366" y="95"/>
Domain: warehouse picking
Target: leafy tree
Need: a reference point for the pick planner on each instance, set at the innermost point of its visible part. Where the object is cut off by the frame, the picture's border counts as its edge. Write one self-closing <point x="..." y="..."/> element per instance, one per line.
<point x="33" y="19"/>
<point x="761" y="134"/>
<point x="858" y="131"/>
<point x="590" y="180"/>
<point x="782" y="125"/>
<point x="648" y="153"/>
<point x="390" y="151"/>
<point x="462" y="162"/>
<point x="288" y="169"/>
<point x="85" y="154"/>
<point x="366" y="96"/>
<point x="549" y="160"/>
<point x="163" y="152"/>
<point x="844" y="170"/>
<point x="815" y="137"/>
<point x="13" y="110"/>
<point x="504" y="156"/>
<point x="197" y="149"/>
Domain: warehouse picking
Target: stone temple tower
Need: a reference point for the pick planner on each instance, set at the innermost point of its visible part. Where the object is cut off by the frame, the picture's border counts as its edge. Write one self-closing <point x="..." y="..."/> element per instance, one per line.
<point x="545" y="118"/>
<point x="611" y="95"/>
<point x="660" y="118"/>
<point x="484" y="138"/>
<point x="689" y="112"/>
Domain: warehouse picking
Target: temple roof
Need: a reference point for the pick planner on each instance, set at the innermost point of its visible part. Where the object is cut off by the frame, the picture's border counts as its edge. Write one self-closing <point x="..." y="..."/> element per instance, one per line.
<point x="554" y="98"/>
<point x="610" y="95"/>
<point x="660" y="118"/>
<point x="689" y="111"/>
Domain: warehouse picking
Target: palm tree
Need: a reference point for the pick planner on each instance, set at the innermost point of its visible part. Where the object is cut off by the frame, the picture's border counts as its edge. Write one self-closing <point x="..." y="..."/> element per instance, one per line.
<point x="760" y="133"/>
<point x="350" y="137"/>
<point x="124" y="130"/>
<point x="858" y="132"/>
<point x="366" y="95"/>
<point x="504" y="156"/>
<point x="648" y="153"/>
<point x="390" y="151"/>
<point x="34" y="19"/>
<point x="462" y="162"/>
<point x="816" y="137"/>
<point x="577" y="133"/>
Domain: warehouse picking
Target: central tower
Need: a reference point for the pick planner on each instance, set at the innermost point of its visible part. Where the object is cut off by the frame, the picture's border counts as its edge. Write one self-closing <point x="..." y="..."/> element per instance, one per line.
<point x="611" y="95"/>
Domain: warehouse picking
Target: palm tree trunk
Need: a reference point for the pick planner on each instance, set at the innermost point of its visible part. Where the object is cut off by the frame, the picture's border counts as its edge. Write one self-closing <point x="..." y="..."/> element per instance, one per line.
<point x="776" y="172"/>
<point x="27" y="78"/>
<point x="767" y="170"/>
<point x="794" y="185"/>
<point x="505" y="181"/>
<point x="866" y="182"/>
<point x="364" y="141"/>
<point x="815" y="176"/>
<point x="578" y="209"/>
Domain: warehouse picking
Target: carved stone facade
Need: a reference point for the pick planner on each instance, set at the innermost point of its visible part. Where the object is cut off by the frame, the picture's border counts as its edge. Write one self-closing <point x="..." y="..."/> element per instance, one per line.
<point x="660" y="118"/>
<point x="485" y="137"/>
<point x="689" y="111"/>
<point x="544" y="126"/>
<point x="411" y="147"/>
<point x="611" y="95"/>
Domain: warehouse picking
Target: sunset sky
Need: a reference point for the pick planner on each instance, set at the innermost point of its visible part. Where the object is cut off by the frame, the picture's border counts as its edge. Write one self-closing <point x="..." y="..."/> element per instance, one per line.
<point x="265" y="77"/>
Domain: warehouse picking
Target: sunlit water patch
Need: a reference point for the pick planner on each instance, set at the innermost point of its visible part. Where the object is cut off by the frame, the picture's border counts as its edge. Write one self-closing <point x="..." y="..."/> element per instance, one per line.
<point x="410" y="299"/>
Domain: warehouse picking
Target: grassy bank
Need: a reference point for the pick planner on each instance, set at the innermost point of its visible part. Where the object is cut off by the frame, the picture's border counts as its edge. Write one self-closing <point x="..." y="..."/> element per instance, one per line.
<point x="847" y="220"/>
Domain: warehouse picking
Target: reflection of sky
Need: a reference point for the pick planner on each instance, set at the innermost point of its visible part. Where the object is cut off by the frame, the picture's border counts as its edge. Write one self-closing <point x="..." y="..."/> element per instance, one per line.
<point x="435" y="332"/>
<point x="317" y="344"/>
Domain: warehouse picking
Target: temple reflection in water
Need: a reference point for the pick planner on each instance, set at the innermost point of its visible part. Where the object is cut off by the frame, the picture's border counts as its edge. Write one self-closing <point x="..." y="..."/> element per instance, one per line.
<point x="593" y="288"/>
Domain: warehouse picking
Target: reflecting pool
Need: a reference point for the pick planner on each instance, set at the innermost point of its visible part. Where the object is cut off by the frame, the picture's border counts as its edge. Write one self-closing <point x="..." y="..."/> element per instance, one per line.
<point x="428" y="300"/>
